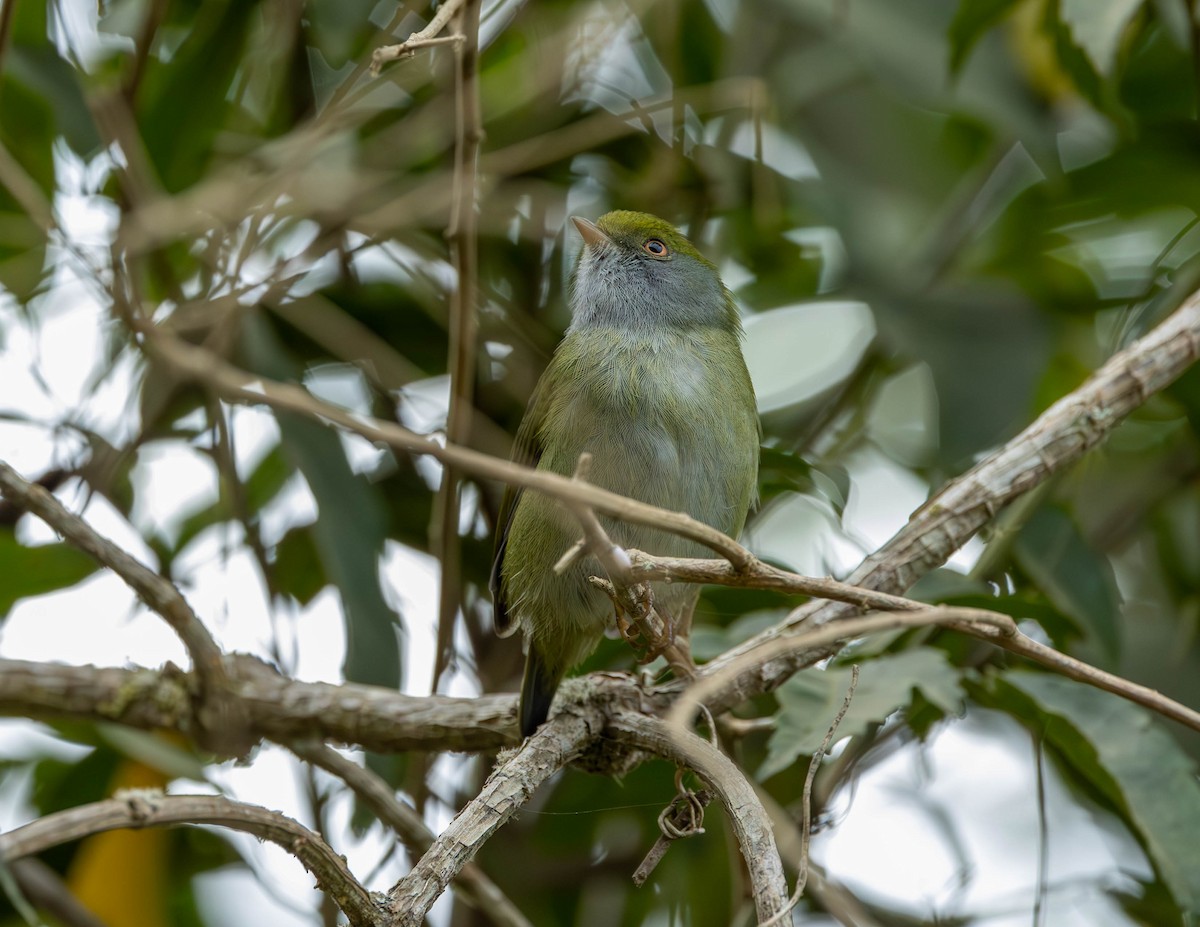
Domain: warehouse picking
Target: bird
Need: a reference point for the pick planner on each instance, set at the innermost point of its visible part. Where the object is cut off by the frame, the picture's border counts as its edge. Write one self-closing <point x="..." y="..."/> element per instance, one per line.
<point x="650" y="380"/>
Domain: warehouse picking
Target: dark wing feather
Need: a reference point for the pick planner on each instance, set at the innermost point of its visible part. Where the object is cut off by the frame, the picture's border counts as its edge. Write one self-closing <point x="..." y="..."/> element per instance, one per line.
<point x="527" y="450"/>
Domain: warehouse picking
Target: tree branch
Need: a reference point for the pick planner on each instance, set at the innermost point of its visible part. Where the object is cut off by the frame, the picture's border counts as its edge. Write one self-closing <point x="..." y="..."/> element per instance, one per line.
<point x="238" y="386"/>
<point x="505" y="792"/>
<point x="222" y="724"/>
<point x="471" y="883"/>
<point x="751" y="824"/>
<point x="424" y="39"/>
<point x="463" y="233"/>
<point x="759" y="575"/>
<point x="277" y="708"/>
<point x="1059" y="437"/>
<point x="136" y="809"/>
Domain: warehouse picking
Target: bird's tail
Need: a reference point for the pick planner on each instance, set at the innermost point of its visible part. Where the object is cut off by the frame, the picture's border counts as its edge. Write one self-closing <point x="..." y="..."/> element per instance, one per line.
<point x="537" y="691"/>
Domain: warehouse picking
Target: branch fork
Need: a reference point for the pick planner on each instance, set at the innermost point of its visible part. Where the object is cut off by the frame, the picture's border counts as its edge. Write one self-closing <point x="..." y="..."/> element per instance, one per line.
<point x="425" y="38"/>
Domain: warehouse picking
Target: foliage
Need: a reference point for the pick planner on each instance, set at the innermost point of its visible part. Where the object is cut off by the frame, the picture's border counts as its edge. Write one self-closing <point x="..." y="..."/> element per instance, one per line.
<point x="937" y="216"/>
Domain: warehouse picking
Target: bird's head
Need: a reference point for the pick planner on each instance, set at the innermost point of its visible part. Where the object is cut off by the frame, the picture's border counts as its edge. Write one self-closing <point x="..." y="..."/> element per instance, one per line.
<point x="636" y="271"/>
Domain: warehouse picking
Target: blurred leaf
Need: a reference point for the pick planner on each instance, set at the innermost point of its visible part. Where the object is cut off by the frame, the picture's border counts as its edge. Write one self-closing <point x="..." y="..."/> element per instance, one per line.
<point x="1097" y="27"/>
<point x="40" y="68"/>
<point x="336" y="28"/>
<point x="162" y="754"/>
<point x="781" y="471"/>
<point x="185" y="100"/>
<point x="27" y="132"/>
<point x="1052" y="552"/>
<point x="972" y="19"/>
<point x="267" y="479"/>
<point x="844" y="330"/>
<point x="298" y="568"/>
<point x="809" y="701"/>
<point x="1125" y="753"/>
<point x="350" y="529"/>
<point x="29" y="571"/>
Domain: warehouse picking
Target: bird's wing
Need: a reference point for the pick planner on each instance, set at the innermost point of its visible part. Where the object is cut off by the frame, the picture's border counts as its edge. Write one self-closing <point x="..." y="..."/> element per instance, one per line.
<point x="527" y="450"/>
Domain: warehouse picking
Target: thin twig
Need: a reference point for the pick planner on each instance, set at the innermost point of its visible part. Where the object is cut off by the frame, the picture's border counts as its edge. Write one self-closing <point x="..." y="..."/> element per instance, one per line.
<point x="136" y="809"/>
<point x="759" y="575"/>
<point x="718" y="689"/>
<point x="238" y="386"/>
<point x="750" y="821"/>
<point x="425" y="38"/>
<point x="463" y="235"/>
<point x="806" y="800"/>
<point x="682" y="818"/>
<point x="632" y="599"/>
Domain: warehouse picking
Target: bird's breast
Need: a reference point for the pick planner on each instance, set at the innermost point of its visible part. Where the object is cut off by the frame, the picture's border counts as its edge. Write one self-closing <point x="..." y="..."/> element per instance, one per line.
<point x="654" y="416"/>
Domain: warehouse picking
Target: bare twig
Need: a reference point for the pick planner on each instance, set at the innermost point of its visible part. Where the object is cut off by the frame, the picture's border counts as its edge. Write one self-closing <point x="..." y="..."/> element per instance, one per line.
<point x="141" y="808"/>
<point x="222" y="721"/>
<point x="426" y="38"/>
<point x="682" y="818"/>
<point x="237" y="385"/>
<point x="750" y="822"/>
<point x="759" y="575"/>
<point x="506" y="791"/>
<point x="463" y="235"/>
<point x="719" y="689"/>
<point x="471" y="883"/>
<point x="806" y="800"/>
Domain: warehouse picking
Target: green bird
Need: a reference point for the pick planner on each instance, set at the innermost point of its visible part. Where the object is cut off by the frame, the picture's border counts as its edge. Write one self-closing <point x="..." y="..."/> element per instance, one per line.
<point x="650" y="380"/>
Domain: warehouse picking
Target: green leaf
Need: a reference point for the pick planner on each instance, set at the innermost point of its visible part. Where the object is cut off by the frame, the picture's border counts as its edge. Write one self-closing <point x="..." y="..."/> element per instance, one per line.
<point x="187" y="98"/>
<point x="29" y="571"/>
<point x="154" y="751"/>
<point x="781" y="471"/>
<point x="298" y="569"/>
<point x="971" y="20"/>
<point x="27" y="132"/>
<point x="350" y="529"/>
<point x="1079" y="581"/>
<point x="809" y="701"/>
<point x="1120" y="748"/>
<point x="267" y="479"/>
<point x="1097" y="26"/>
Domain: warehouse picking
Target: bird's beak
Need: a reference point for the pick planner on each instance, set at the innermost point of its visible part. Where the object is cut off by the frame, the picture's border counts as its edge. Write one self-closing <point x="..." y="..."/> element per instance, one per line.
<point x="590" y="232"/>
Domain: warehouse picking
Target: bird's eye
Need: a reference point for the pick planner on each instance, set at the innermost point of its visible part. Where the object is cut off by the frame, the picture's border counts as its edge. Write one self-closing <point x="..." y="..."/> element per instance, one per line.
<point x="655" y="248"/>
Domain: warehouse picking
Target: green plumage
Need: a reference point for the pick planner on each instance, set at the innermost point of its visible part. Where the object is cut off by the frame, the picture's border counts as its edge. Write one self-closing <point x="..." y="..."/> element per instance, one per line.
<point x="650" y="380"/>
